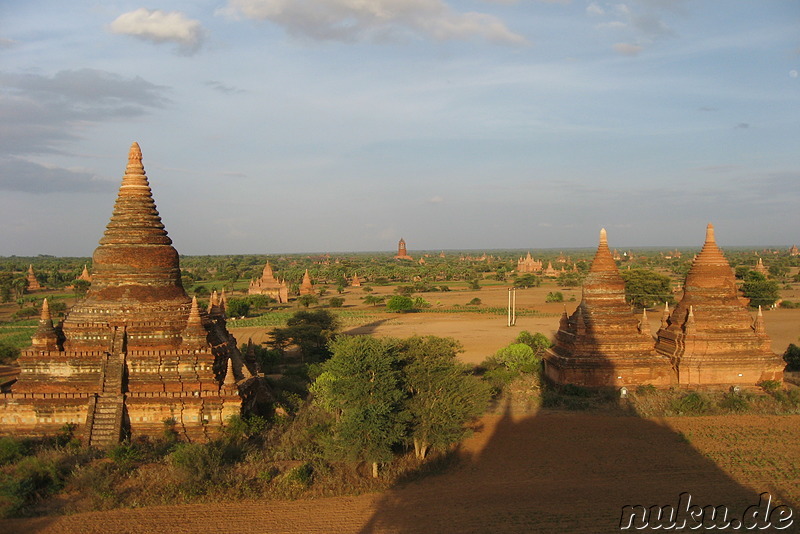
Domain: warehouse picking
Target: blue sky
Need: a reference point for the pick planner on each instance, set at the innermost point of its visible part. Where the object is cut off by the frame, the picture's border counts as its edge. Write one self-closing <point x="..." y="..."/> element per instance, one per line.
<point x="272" y="126"/>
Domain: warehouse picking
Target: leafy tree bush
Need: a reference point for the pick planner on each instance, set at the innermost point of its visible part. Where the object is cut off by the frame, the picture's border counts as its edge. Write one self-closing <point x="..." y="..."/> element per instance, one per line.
<point x="518" y="358"/>
<point x="443" y="394"/>
<point x="336" y="302"/>
<point x="760" y="292"/>
<point x="400" y="304"/>
<point x="362" y="385"/>
<point x="792" y="358"/>
<point x="238" y="307"/>
<point x="473" y="284"/>
<point x="528" y="280"/>
<point x="8" y="353"/>
<point x="307" y="300"/>
<point x="474" y="302"/>
<point x="374" y="300"/>
<point x="310" y="331"/>
<point x="556" y="296"/>
<point x="538" y="341"/>
<point x="645" y="288"/>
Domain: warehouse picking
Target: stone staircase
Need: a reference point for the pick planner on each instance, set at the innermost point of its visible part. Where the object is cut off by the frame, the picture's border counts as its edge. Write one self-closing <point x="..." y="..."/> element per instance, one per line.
<point x="104" y="421"/>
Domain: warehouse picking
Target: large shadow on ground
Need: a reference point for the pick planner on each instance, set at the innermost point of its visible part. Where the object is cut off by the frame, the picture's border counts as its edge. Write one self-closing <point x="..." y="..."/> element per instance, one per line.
<point x="560" y="471"/>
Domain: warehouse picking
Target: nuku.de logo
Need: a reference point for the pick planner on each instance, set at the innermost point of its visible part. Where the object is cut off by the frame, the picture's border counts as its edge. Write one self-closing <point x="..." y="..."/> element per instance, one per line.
<point x="692" y="516"/>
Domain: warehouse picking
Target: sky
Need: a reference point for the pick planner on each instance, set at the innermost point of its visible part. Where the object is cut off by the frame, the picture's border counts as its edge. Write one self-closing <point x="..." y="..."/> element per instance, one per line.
<point x="282" y="126"/>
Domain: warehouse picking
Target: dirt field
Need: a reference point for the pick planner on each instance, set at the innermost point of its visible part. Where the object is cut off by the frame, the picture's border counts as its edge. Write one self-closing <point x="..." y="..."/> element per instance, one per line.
<point x="548" y="472"/>
<point x="481" y="335"/>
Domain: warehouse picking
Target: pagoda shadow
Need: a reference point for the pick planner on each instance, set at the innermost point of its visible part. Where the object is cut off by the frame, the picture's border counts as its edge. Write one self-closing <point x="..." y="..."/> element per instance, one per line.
<point x="561" y="471"/>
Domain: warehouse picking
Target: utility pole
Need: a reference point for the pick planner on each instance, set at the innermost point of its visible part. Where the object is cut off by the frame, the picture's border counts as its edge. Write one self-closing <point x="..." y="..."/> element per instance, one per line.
<point x="512" y="306"/>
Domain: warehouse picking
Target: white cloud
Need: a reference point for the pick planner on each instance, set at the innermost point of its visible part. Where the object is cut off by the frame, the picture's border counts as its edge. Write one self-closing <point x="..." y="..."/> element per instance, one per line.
<point x="594" y="9"/>
<point x="435" y="200"/>
<point x="7" y="43"/>
<point x="627" y="49"/>
<point x="351" y="20"/>
<point x="161" y="27"/>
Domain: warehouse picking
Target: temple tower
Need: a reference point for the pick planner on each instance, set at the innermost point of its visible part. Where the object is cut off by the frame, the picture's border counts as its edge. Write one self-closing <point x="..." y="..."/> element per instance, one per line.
<point x="402" y="252"/>
<point x="136" y="351"/>
<point x="604" y="343"/>
<point x="269" y="285"/>
<point x="33" y="283"/>
<point x="306" y="287"/>
<point x="711" y="337"/>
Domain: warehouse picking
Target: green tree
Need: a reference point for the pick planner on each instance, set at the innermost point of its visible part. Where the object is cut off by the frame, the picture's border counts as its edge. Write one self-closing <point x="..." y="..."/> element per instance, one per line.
<point x="792" y="358"/>
<point x="310" y="331"/>
<point x="556" y="296"/>
<point x="761" y="292"/>
<point x="443" y="393"/>
<point x="518" y="358"/>
<point x="528" y="280"/>
<point x="238" y="307"/>
<point x="569" y="279"/>
<point x="80" y="287"/>
<point x="473" y="284"/>
<point x="307" y="300"/>
<point x="374" y="299"/>
<point x="336" y="302"/>
<point x="538" y="341"/>
<point x="362" y="386"/>
<point x="400" y="304"/>
<point x="645" y="288"/>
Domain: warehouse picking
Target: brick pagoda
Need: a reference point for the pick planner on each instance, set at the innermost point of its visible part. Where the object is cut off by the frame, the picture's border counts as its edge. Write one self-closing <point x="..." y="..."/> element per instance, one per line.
<point x="306" y="286"/>
<point x="402" y="252"/>
<point x="137" y="350"/>
<point x="270" y="286"/>
<point x="710" y="336"/>
<point x="603" y="343"/>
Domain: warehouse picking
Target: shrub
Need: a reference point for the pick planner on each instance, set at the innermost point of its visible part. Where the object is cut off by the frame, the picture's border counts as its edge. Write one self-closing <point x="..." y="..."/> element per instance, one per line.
<point x="474" y="302"/>
<point x="400" y="304"/>
<point x="11" y="450"/>
<point x="556" y="296"/>
<point x="8" y="353"/>
<point x="693" y="403"/>
<point x="519" y="358"/>
<point x="788" y="304"/>
<point x="770" y="386"/>
<point x="735" y="402"/>
<point x="538" y="342"/>
<point x="336" y="302"/>
<point x="792" y="358"/>
<point x="198" y="463"/>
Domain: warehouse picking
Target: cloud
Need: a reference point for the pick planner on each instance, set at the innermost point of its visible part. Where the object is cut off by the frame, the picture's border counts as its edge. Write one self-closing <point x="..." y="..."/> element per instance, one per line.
<point x="376" y="20"/>
<point x="742" y="126"/>
<point x="435" y="200"/>
<point x="39" y="112"/>
<point x="627" y="49"/>
<point x="222" y="88"/>
<point x="6" y="43"/>
<point x="160" y="27"/>
<point x="19" y="175"/>
<point x="595" y="10"/>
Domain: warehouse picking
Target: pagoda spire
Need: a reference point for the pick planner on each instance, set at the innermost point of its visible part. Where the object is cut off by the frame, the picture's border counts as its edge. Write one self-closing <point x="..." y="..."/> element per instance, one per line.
<point x="644" y="323"/>
<point x="45" y="337"/>
<point x="758" y="324"/>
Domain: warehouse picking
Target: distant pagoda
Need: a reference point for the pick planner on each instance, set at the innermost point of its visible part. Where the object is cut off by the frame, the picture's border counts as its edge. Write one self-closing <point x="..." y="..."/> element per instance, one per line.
<point x="603" y="343"/>
<point x="710" y="336"/>
<point x="306" y="286"/>
<point x="528" y="265"/>
<point x="402" y="253"/>
<point x="137" y="350"/>
<point x="270" y="286"/>
<point x="33" y="283"/>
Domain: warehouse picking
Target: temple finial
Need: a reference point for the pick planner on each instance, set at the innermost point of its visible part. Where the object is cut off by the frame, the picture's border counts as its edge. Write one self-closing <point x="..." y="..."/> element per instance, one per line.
<point x="603" y="237"/>
<point x="135" y="153"/>
<point x="710" y="233"/>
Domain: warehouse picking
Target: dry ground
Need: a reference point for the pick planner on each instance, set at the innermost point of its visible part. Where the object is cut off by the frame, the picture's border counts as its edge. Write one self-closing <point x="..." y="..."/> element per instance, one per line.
<point x="547" y="472"/>
<point x="482" y="334"/>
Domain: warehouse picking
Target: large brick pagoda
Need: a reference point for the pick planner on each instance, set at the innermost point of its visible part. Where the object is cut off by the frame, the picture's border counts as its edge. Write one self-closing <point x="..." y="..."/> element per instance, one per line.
<point x="710" y="336"/>
<point x="137" y="350"/>
<point x="603" y="343"/>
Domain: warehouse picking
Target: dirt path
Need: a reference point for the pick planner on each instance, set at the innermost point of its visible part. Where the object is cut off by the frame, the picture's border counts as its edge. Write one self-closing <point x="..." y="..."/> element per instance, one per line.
<point x="548" y="472"/>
